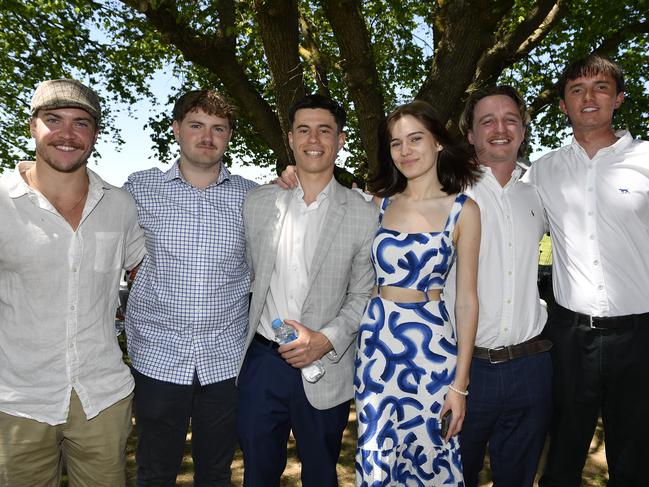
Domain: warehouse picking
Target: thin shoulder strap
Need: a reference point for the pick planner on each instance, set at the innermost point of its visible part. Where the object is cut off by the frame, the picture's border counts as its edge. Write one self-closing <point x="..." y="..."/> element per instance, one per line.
<point x="455" y="212"/>
<point x="384" y="204"/>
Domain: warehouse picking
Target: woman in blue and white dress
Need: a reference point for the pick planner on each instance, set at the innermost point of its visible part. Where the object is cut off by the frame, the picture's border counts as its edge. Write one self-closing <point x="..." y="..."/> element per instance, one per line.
<point x="411" y="367"/>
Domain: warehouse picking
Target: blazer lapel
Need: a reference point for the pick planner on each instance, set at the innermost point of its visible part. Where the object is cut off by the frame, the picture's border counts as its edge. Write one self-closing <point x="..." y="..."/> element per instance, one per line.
<point x="277" y="214"/>
<point x="333" y="219"/>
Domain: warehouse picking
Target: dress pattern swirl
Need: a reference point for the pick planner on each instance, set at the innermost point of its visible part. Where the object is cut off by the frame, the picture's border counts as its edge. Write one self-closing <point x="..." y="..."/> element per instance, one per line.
<point x="406" y="359"/>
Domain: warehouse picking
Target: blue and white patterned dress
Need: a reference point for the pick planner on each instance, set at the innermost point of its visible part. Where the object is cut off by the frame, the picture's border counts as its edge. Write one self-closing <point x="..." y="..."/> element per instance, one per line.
<point x="405" y="361"/>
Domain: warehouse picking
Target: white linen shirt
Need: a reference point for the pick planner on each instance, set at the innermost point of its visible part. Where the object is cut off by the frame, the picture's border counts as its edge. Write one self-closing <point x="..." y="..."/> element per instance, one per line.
<point x="599" y="221"/>
<point x="297" y="243"/>
<point x="58" y="296"/>
<point x="512" y="224"/>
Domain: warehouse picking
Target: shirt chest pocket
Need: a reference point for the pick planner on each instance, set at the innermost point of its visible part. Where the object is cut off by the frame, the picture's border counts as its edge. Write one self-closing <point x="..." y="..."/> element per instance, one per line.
<point x="108" y="251"/>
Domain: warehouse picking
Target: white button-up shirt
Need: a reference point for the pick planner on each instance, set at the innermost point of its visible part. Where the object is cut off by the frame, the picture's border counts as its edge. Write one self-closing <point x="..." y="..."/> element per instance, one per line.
<point x="513" y="223"/>
<point x="599" y="221"/>
<point x="58" y="295"/>
<point x="297" y="243"/>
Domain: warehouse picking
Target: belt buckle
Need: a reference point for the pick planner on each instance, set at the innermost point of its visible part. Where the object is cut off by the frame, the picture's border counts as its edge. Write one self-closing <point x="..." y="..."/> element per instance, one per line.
<point x="594" y="327"/>
<point x="492" y="361"/>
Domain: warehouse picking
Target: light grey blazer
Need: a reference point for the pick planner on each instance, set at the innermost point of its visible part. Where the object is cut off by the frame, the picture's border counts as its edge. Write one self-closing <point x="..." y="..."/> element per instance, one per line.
<point x="340" y="279"/>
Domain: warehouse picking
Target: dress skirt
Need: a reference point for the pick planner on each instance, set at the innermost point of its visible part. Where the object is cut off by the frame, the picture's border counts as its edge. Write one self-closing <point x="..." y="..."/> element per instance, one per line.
<point x="405" y="361"/>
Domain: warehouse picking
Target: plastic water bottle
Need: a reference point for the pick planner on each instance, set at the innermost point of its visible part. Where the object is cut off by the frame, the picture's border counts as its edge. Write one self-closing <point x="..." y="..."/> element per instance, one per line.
<point x="285" y="333"/>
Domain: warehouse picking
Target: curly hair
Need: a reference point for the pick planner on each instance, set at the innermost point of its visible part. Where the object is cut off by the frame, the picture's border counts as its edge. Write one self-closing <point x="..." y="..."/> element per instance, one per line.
<point x="210" y="101"/>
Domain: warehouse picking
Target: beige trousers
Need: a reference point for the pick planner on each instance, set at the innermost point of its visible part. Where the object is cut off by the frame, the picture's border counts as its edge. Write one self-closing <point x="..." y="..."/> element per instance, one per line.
<point x="94" y="451"/>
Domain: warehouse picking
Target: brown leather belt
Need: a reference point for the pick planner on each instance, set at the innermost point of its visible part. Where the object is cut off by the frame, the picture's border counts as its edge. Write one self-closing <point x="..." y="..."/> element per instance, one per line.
<point x="503" y="354"/>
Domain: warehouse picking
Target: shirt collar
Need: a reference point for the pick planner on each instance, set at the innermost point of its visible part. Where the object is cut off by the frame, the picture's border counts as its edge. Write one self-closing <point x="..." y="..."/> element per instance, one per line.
<point x="298" y="192"/>
<point x="18" y="187"/>
<point x="174" y="173"/>
<point x="488" y="173"/>
<point x="624" y="138"/>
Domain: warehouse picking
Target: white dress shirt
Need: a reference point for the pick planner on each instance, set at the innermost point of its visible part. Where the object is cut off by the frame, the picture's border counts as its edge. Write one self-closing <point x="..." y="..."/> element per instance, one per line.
<point x="513" y="223"/>
<point x="58" y="295"/>
<point x="297" y="243"/>
<point x="599" y="220"/>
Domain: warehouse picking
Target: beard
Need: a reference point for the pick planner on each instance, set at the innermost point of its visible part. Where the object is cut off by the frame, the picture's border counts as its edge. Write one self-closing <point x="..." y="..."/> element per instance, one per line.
<point x="69" y="166"/>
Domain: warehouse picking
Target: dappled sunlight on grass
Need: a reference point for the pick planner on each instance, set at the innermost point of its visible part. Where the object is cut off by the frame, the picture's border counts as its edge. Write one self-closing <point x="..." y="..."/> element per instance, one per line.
<point x="595" y="473"/>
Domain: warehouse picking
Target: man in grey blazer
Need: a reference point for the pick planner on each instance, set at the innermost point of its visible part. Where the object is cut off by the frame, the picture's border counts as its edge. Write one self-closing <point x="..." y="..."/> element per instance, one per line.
<point x="309" y="253"/>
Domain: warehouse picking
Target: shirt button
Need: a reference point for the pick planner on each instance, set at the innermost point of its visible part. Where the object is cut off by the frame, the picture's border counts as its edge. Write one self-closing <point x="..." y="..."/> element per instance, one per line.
<point x="590" y="189"/>
<point x="509" y="244"/>
<point x="595" y="262"/>
<point x="590" y="213"/>
<point x="509" y="273"/>
<point x="592" y="237"/>
<point x="600" y="287"/>
<point x="509" y="301"/>
<point x="73" y="307"/>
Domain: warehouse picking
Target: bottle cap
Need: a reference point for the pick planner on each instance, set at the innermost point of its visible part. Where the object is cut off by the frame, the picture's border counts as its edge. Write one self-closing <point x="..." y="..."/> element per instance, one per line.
<point x="276" y="323"/>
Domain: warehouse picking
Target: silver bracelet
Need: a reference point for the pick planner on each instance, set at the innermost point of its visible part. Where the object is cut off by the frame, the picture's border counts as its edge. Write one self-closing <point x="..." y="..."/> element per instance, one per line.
<point x="455" y="389"/>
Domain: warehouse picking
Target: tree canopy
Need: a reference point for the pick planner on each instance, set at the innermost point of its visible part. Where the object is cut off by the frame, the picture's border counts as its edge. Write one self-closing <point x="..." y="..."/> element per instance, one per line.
<point x="369" y="54"/>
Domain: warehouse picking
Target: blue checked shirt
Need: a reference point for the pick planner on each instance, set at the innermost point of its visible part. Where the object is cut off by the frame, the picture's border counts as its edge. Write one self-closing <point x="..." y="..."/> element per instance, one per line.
<point x="188" y="308"/>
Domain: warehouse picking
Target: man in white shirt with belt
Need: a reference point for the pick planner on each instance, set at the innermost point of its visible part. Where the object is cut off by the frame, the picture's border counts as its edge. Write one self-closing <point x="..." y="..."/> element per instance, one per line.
<point x="596" y="194"/>
<point x="509" y="403"/>
<point x="65" y="393"/>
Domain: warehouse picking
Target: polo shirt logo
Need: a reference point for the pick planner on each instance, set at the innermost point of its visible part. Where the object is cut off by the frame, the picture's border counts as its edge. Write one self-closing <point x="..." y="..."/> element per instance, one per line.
<point x="624" y="190"/>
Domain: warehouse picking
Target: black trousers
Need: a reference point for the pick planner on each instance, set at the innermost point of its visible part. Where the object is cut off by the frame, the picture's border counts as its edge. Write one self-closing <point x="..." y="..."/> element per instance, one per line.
<point x="598" y="371"/>
<point x="162" y="413"/>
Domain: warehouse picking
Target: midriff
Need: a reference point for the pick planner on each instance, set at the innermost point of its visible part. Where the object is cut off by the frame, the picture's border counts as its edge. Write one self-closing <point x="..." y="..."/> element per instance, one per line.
<point x="404" y="295"/>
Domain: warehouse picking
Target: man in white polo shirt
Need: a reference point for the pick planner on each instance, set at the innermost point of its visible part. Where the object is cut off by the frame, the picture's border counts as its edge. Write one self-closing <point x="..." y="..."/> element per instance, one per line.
<point x="596" y="194"/>
<point x="65" y="393"/>
<point x="509" y="402"/>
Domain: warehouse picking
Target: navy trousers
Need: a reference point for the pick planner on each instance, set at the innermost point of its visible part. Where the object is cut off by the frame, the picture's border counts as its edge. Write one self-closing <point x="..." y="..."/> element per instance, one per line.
<point x="509" y="408"/>
<point x="163" y="411"/>
<point x="271" y="403"/>
<point x="598" y="371"/>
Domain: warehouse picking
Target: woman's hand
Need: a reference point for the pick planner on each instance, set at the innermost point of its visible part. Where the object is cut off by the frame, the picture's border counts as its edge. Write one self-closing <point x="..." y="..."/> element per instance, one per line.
<point x="456" y="403"/>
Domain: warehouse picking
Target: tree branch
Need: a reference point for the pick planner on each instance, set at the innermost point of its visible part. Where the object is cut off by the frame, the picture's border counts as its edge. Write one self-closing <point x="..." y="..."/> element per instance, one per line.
<point x="310" y="51"/>
<point x="278" y="27"/>
<point x="609" y="45"/>
<point x="218" y="55"/>
<point x="515" y="44"/>
<point x="359" y="67"/>
<point x="465" y="31"/>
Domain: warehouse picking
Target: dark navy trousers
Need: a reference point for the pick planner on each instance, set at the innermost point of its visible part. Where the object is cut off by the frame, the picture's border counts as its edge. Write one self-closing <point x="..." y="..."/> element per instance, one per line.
<point x="509" y="408"/>
<point x="272" y="402"/>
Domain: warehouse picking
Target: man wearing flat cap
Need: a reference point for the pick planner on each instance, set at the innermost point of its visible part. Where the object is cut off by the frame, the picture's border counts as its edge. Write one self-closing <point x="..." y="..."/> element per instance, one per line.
<point x="65" y="394"/>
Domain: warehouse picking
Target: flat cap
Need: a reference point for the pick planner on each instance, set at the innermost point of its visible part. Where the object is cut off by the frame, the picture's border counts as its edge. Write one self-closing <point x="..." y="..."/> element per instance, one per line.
<point x="66" y="93"/>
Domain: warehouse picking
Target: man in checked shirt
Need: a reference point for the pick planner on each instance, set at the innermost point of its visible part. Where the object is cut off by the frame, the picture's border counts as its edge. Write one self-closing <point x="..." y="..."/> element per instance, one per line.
<point x="187" y="312"/>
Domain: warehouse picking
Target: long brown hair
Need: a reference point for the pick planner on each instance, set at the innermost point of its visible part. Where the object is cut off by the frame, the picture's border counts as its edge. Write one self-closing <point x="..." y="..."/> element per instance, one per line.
<point x="455" y="168"/>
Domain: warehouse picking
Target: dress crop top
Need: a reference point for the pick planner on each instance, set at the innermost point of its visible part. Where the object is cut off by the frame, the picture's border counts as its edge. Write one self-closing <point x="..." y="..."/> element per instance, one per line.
<point x="419" y="261"/>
